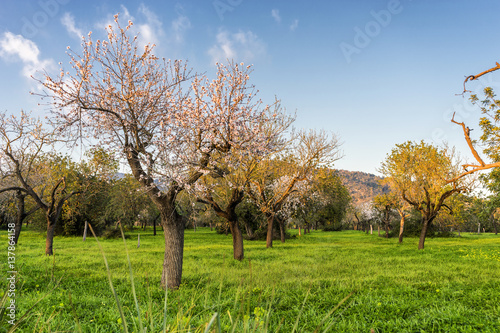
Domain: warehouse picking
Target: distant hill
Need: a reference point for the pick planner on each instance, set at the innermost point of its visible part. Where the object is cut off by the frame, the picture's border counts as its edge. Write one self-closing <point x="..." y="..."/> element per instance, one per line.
<point x="362" y="186"/>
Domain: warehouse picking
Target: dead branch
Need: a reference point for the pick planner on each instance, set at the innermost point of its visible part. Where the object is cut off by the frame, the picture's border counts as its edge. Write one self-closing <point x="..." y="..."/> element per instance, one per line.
<point x="469" y="141"/>
<point x="475" y="168"/>
<point x="475" y="77"/>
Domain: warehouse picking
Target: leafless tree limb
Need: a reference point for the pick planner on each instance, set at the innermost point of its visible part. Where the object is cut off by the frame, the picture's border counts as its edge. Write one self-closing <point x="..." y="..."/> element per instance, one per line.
<point x="475" y="77"/>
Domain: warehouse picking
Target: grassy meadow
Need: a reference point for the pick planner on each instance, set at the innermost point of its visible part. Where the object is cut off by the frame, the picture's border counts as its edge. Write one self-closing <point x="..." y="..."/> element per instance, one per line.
<point x="326" y="281"/>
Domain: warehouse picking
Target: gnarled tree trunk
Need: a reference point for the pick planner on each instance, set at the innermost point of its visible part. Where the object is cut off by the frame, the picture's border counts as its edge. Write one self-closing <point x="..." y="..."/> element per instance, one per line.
<point x="426" y="224"/>
<point x="173" y="232"/>
<point x="51" y="229"/>
<point x="237" y="240"/>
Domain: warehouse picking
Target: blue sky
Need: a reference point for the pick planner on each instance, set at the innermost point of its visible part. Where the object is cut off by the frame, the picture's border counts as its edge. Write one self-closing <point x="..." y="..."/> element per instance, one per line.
<point x="376" y="73"/>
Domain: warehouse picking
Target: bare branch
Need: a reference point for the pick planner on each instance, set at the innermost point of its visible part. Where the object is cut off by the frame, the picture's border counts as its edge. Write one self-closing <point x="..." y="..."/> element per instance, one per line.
<point x="475" y="168"/>
<point x="469" y="141"/>
<point x="475" y="77"/>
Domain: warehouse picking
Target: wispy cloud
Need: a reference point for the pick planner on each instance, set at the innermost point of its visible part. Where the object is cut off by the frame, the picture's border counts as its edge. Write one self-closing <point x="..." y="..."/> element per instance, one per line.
<point x="179" y="26"/>
<point x="151" y="31"/>
<point x="68" y="21"/>
<point x="239" y="46"/>
<point x="17" y="48"/>
<point x="276" y="15"/>
<point x="147" y="25"/>
<point x="294" y="25"/>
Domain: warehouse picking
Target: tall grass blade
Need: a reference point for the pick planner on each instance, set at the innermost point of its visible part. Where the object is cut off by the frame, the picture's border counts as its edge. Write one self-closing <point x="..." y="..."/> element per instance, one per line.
<point x="301" y="310"/>
<point x="74" y="313"/>
<point x="331" y="312"/>
<point x="124" y="322"/>
<point x="165" y="306"/>
<point x="138" y="309"/>
<point x="211" y="322"/>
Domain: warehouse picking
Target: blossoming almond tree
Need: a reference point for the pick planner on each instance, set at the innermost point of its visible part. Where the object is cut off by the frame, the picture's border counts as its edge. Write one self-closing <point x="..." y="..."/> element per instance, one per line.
<point x="224" y="189"/>
<point x="171" y="126"/>
<point x="280" y="173"/>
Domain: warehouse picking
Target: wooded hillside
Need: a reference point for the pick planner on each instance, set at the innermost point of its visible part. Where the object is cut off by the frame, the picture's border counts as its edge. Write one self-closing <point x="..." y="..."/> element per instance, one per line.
<point x="362" y="186"/>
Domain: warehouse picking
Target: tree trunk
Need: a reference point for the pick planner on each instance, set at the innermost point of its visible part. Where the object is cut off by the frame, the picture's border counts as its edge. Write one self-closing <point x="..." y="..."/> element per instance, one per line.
<point x="21" y="215"/>
<point x="378" y="228"/>
<point x="248" y="229"/>
<point x="173" y="231"/>
<point x="281" y="223"/>
<point x="51" y="228"/>
<point x="401" y="229"/>
<point x="269" y="238"/>
<point x="299" y="232"/>
<point x="423" y="233"/>
<point x="237" y="240"/>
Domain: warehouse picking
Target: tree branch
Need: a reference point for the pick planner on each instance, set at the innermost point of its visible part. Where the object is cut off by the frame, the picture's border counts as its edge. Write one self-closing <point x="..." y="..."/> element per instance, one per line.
<point x="469" y="141"/>
<point x="475" y="168"/>
<point x="13" y="188"/>
<point x="475" y="77"/>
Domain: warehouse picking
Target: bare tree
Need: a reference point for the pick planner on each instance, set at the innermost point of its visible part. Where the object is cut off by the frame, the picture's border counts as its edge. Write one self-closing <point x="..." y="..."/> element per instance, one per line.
<point x="22" y="142"/>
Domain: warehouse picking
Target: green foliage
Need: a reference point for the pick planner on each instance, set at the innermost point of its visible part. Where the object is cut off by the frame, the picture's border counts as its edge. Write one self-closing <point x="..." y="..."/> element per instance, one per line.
<point x="250" y="216"/>
<point x="490" y="107"/>
<point x="335" y="198"/>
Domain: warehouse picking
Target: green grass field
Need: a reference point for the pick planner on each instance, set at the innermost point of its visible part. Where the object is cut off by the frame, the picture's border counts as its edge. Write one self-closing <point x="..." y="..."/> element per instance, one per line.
<point x="451" y="286"/>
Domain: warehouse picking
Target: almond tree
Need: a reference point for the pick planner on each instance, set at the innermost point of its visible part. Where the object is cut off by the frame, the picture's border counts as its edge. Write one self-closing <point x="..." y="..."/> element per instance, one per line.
<point x="277" y="177"/>
<point x="22" y="144"/>
<point x="420" y="172"/>
<point x="224" y="188"/>
<point x="170" y="126"/>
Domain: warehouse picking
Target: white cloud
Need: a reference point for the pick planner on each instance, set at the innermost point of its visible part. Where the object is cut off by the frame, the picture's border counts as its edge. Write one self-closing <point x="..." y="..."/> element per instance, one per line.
<point x="294" y="25"/>
<point x="179" y="26"/>
<point x="240" y="46"/>
<point x="17" y="48"/>
<point x="151" y="31"/>
<point x="68" y="21"/>
<point x="276" y="15"/>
